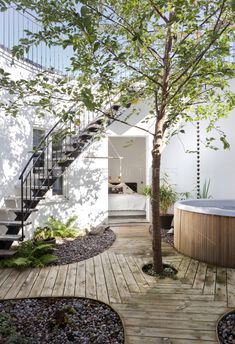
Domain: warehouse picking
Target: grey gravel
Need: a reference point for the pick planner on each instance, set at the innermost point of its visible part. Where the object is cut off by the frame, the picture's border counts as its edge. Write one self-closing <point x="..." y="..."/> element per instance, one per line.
<point x="64" y="321"/>
<point x="81" y="248"/>
<point x="226" y="329"/>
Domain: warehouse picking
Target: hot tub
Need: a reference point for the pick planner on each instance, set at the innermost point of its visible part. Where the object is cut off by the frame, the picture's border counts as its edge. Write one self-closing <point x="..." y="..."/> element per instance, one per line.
<point x="205" y="230"/>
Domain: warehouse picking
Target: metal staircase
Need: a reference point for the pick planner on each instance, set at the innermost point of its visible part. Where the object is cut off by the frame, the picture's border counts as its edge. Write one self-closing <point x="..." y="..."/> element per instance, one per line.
<point x="57" y="150"/>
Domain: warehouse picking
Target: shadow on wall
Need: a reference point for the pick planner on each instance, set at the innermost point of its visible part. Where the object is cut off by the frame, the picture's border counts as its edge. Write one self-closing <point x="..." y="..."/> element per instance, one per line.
<point x="135" y="115"/>
<point x="85" y="194"/>
<point x="15" y="142"/>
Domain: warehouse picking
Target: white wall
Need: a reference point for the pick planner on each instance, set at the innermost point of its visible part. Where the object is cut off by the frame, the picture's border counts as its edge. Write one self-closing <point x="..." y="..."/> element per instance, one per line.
<point x="85" y="191"/>
<point x="218" y="166"/>
<point x="85" y="180"/>
<point x="16" y="139"/>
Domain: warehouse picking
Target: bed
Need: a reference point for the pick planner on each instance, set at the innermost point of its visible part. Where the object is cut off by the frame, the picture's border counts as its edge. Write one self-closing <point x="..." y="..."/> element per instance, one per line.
<point x="125" y="201"/>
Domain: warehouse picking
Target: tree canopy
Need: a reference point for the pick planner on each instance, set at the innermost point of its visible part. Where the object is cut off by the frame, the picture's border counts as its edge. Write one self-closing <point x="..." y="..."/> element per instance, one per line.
<point x="174" y="52"/>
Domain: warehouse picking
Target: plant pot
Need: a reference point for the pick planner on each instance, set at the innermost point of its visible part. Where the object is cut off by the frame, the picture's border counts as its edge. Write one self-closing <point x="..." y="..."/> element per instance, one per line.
<point x="51" y="241"/>
<point x="166" y="221"/>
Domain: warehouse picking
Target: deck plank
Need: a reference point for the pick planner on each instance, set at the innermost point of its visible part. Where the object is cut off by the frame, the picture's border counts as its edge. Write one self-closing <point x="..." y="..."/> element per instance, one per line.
<point x="200" y="276"/>
<point x="7" y="284"/>
<point x="80" y="288"/>
<point x="153" y="310"/>
<point x="221" y="285"/>
<point x="58" y="289"/>
<point x="113" y="292"/>
<point x="69" y="288"/>
<point x="90" y="279"/>
<point x="50" y="282"/>
<point x="101" y="288"/>
<point x="230" y="287"/>
<point x="28" y="284"/>
<point x="120" y="280"/>
<point x="16" y="286"/>
<point x="209" y="286"/>
<point x="39" y="283"/>
<point x="130" y="280"/>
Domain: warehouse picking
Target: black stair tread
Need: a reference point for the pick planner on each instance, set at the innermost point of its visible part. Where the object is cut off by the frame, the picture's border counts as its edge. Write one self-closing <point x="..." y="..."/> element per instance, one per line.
<point x="93" y="126"/>
<point x="65" y="158"/>
<point x="86" y="133"/>
<point x="18" y="210"/>
<point x="7" y="253"/>
<point x="45" y="177"/>
<point x="13" y="223"/>
<point x="12" y="198"/>
<point x="98" y="120"/>
<point x="38" y="198"/>
<point x="10" y="237"/>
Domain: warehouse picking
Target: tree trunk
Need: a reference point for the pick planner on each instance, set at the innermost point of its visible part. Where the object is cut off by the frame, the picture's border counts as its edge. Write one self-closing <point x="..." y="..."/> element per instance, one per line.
<point x="156" y="229"/>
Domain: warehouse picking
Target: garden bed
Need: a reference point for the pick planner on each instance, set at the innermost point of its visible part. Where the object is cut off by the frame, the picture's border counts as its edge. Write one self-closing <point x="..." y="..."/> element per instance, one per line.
<point x="226" y="328"/>
<point x="59" y="321"/>
<point x="81" y="248"/>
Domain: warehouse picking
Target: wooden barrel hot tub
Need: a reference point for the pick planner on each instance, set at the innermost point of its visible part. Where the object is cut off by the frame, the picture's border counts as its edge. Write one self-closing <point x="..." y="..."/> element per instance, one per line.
<point x="205" y="230"/>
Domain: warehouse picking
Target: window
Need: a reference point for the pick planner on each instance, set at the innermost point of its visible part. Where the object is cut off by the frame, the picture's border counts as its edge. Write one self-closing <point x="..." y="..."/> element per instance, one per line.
<point x="39" y="156"/>
<point x="57" y="188"/>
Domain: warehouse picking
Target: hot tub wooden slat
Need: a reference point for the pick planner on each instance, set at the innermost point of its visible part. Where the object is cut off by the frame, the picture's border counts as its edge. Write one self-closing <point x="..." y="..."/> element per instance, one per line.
<point x="208" y="238"/>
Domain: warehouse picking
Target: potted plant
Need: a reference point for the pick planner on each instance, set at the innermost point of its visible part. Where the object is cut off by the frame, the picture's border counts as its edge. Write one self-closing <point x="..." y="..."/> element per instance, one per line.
<point x="44" y="234"/>
<point x="168" y="197"/>
<point x="55" y="228"/>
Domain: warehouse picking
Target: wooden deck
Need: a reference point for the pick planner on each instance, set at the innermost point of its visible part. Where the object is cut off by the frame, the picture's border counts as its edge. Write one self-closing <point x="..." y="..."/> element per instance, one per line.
<point x="153" y="311"/>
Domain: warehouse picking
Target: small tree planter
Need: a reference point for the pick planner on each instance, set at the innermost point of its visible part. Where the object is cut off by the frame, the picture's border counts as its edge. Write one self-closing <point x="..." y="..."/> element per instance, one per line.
<point x="168" y="271"/>
<point x="225" y="328"/>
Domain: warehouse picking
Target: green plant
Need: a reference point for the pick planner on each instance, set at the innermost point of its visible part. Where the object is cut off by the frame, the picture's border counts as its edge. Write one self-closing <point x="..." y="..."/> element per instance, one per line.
<point x="55" y="228"/>
<point x="146" y="190"/>
<point x="8" y="333"/>
<point x="30" y="254"/>
<point x="184" y="195"/>
<point x="168" y="195"/>
<point x="205" y="192"/>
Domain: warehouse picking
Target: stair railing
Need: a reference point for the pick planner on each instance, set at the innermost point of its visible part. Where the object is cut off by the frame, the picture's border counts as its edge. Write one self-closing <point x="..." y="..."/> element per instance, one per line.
<point x="62" y="134"/>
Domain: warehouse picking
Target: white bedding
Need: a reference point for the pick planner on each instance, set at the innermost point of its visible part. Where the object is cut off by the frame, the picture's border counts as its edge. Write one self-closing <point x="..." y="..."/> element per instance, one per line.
<point x="130" y="202"/>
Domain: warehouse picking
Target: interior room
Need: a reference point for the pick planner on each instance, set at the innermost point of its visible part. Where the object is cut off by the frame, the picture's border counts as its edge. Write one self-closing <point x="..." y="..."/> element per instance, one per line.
<point x="127" y="179"/>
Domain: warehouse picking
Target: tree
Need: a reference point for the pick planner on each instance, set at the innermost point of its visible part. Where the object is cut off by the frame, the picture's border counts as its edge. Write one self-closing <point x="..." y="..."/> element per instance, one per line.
<point x="174" y="52"/>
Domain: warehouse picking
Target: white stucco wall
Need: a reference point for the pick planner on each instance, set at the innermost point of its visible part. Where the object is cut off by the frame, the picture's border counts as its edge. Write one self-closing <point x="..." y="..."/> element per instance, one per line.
<point x="85" y="181"/>
<point x="218" y="166"/>
<point x="16" y="140"/>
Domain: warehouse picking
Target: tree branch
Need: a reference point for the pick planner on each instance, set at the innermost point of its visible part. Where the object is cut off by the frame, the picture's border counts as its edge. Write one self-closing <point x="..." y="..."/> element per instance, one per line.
<point x="195" y="63"/>
<point x="158" y="11"/>
<point x="193" y="30"/>
<point x="128" y="28"/>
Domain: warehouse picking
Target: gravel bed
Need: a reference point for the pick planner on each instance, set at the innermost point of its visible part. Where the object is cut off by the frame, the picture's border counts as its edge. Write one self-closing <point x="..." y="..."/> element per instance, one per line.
<point x="62" y="321"/>
<point x="226" y="329"/>
<point x="81" y="248"/>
